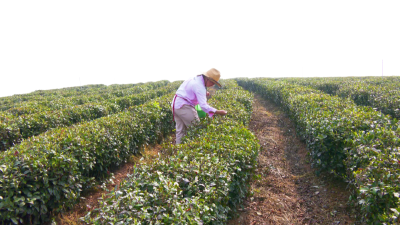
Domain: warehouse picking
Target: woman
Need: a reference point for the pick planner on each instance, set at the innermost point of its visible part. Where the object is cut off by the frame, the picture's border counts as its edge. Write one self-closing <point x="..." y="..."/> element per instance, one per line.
<point x="190" y="93"/>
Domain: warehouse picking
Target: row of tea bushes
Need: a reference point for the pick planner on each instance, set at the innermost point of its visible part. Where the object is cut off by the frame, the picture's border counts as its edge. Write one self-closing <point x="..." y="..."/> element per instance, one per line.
<point x="382" y="93"/>
<point x="332" y="84"/>
<point x="383" y="98"/>
<point x="233" y="95"/>
<point x="13" y="130"/>
<point x="374" y="163"/>
<point x="136" y="99"/>
<point x="60" y="102"/>
<point x="9" y="135"/>
<point x="236" y="101"/>
<point x="355" y="142"/>
<point x="227" y="84"/>
<point x="55" y="102"/>
<point x="48" y="95"/>
<point x="200" y="183"/>
<point x="48" y="172"/>
<point x="55" y="93"/>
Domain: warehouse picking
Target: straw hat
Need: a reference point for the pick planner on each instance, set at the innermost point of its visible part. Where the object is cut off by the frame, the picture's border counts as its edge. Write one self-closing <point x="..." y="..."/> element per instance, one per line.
<point x="213" y="75"/>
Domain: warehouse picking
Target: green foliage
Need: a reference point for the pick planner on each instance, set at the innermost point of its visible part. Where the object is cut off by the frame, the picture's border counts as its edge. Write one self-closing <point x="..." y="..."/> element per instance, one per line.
<point x="48" y="95"/>
<point x="49" y="171"/>
<point x="200" y="183"/>
<point x="355" y="142"/>
<point x="17" y="127"/>
<point x="46" y="173"/>
<point x="375" y="166"/>
<point x="9" y="135"/>
<point x="41" y="101"/>
<point x="382" y="93"/>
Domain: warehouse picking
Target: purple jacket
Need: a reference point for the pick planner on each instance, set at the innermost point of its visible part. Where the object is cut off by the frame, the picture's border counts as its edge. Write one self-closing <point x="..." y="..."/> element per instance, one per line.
<point x="193" y="92"/>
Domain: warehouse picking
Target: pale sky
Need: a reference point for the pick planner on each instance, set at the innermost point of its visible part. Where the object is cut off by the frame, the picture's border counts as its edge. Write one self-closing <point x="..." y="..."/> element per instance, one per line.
<point x="55" y="44"/>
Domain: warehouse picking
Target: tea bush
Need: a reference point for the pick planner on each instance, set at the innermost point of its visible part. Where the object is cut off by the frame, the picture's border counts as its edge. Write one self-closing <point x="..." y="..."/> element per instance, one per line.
<point x="40" y="95"/>
<point x="382" y="93"/>
<point x="20" y="127"/>
<point x="48" y="172"/>
<point x="9" y="135"/>
<point x="61" y="99"/>
<point x="355" y="142"/>
<point x="200" y="183"/>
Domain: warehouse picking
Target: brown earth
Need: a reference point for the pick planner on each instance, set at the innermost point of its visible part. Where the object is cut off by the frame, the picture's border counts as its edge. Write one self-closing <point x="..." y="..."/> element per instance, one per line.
<point x="285" y="189"/>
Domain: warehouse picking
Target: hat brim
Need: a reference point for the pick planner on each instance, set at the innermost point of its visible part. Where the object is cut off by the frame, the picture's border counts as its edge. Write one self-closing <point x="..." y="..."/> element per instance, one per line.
<point x="214" y="81"/>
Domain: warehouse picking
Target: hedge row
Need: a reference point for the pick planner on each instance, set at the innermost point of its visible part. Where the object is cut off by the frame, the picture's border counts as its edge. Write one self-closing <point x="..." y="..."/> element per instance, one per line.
<point x="200" y="183"/>
<point x="41" y="94"/>
<point x="383" y="98"/>
<point x="382" y="93"/>
<point x="48" y="172"/>
<point x="60" y="102"/>
<point x="354" y="142"/>
<point x="48" y="95"/>
<point x="15" y="129"/>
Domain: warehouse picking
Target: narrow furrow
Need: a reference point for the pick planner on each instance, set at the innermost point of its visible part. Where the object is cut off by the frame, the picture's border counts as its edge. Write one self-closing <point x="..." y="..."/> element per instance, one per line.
<point x="90" y="199"/>
<point x="285" y="189"/>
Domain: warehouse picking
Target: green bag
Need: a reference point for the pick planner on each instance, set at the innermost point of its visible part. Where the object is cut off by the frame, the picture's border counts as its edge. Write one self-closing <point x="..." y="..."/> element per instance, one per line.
<point x="200" y="112"/>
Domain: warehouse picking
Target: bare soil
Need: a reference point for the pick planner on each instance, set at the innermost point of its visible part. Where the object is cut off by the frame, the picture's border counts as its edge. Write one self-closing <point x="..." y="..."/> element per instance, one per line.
<point x="285" y="189"/>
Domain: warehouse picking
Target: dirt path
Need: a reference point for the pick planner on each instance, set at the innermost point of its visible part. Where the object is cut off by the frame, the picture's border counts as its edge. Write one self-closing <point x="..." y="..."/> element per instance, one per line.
<point x="286" y="190"/>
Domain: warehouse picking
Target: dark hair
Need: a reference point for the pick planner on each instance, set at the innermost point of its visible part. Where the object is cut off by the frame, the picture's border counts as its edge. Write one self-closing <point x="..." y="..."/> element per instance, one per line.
<point x="205" y="77"/>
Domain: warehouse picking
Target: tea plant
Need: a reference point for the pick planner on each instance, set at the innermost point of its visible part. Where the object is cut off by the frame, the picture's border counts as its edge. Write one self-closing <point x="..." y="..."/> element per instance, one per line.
<point x="355" y="142"/>
<point x="61" y="99"/>
<point x="200" y="183"/>
<point x="48" y="172"/>
<point x="382" y="93"/>
<point x="16" y="128"/>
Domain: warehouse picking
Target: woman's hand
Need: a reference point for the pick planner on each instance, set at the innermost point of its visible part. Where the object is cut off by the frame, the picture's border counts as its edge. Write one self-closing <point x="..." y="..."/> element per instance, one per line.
<point x="221" y="112"/>
<point x="208" y="94"/>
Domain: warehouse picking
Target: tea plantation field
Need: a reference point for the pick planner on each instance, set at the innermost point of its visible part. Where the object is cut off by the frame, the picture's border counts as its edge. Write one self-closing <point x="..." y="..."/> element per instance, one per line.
<point x="51" y="155"/>
<point x="351" y="129"/>
<point x="56" y="144"/>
